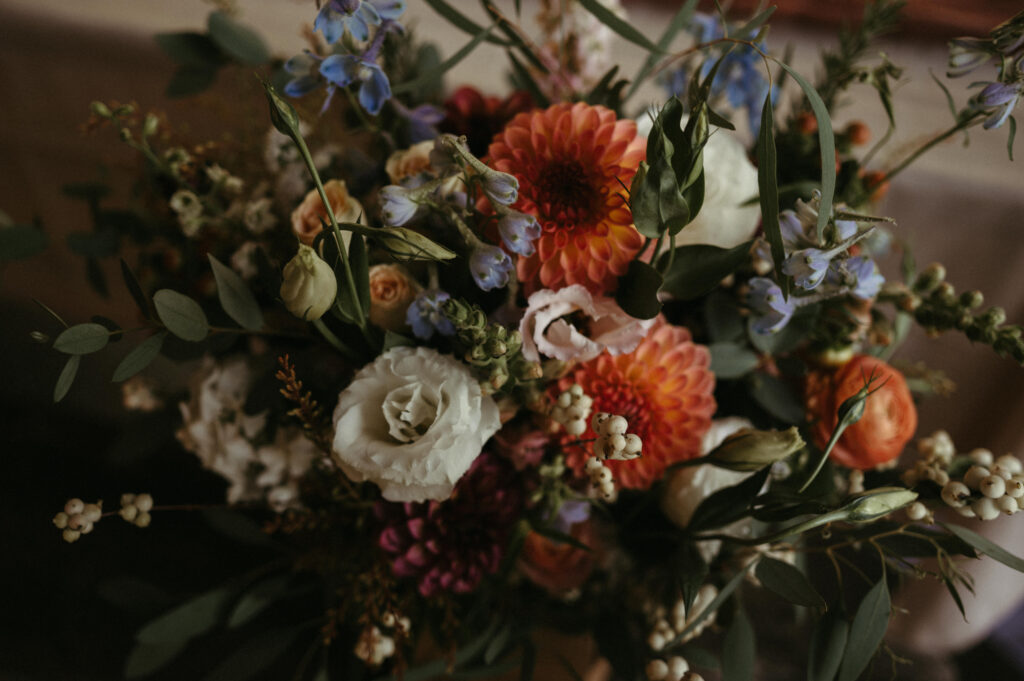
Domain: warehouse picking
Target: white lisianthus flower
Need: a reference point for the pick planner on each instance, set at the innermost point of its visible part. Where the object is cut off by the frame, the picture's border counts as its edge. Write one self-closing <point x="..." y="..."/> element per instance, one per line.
<point x="412" y="422"/>
<point x="730" y="180"/>
<point x="546" y="332"/>
<point x="686" y="488"/>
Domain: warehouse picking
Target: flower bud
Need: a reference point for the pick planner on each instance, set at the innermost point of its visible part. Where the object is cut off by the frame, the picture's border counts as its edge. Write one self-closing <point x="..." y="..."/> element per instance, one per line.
<point x="144" y="502"/>
<point x="878" y="503"/>
<point x="398" y="205"/>
<point x="930" y="277"/>
<point x="309" y="286"/>
<point x="100" y="109"/>
<point x="751" y="450"/>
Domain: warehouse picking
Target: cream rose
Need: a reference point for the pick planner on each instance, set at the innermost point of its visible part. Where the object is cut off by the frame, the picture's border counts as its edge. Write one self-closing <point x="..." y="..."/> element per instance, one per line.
<point x="306" y="219"/>
<point x="410" y="162"/>
<point x="391" y="292"/>
<point x="545" y="332"/>
<point x="412" y="422"/>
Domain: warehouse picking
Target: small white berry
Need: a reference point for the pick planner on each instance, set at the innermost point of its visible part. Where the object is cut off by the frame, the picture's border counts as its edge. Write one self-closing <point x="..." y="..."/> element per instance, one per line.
<point x="573" y="413"/>
<point x="388" y="620"/>
<point x="1002" y="471"/>
<point x="129" y="512"/>
<point x="598" y="421"/>
<point x="974" y="476"/>
<point x="966" y="511"/>
<point x="144" y="502"/>
<point x="1011" y="462"/>
<point x="917" y="511"/>
<point x="576" y="427"/>
<point x="564" y="400"/>
<point x="592" y="465"/>
<point x="576" y="390"/>
<point x="74" y="506"/>
<point x="405" y="624"/>
<point x="941" y="477"/>
<point x="1007" y="505"/>
<point x="692" y="676"/>
<point x="992" y="486"/>
<point x="77" y="521"/>
<point x="657" y="670"/>
<point x="143" y="519"/>
<point x="677" y="666"/>
<point x="70" y="535"/>
<point x="981" y="457"/>
<point x="604" y="475"/>
<point x="656" y="641"/>
<point x="985" y="508"/>
<point x="61" y="520"/>
<point x="617" y="425"/>
<point x="92" y="512"/>
<point x="86" y="528"/>
<point x="633" y="444"/>
<point x="616" y="442"/>
<point x="1015" y="487"/>
<point x="956" y="494"/>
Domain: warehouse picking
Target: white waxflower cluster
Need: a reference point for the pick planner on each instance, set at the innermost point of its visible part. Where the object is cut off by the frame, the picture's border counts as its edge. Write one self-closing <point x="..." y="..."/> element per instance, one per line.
<point x="571" y="410"/>
<point x="77" y="518"/>
<point x="374" y="646"/>
<point x="613" y="442"/>
<point x="135" y="509"/>
<point x="991" y="486"/>
<point x="665" y="630"/>
<point x="673" y="669"/>
<point x="602" y="483"/>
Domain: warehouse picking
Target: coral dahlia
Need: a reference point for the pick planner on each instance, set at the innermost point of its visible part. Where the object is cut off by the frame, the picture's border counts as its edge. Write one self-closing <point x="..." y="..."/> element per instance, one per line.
<point x="572" y="161"/>
<point x="663" y="388"/>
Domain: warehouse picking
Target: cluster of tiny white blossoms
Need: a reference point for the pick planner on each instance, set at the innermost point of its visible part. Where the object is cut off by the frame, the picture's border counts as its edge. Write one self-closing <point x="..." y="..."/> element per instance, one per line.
<point x="374" y="646"/>
<point x="572" y="409"/>
<point x="135" y="509"/>
<point x="77" y="518"/>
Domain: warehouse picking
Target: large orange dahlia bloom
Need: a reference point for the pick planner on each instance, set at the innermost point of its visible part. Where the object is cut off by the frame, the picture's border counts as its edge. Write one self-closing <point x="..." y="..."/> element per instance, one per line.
<point x="569" y="160"/>
<point x="663" y="388"/>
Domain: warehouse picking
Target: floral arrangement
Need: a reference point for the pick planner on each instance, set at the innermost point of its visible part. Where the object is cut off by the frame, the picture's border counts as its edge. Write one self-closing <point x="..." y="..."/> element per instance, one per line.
<point x="485" y="364"/>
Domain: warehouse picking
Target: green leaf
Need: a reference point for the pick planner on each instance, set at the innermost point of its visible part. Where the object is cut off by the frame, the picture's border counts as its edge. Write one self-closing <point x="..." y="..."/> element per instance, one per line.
<point x="755" y="22"/>
<point x="987" y="547"/>
<point x="50" y="312"/>
<point x="828" y="641"/>
<point x="239" y="42"/>
<point x="407" y="245"/>
<point x="82" y="339"/>
<point x="256" y="600"/>
<point x="722" y="315"/>
<point x="776" y="398"/>
<point x="66" y="378"/>
<point x="1010" y="137"/>
<point x="680" y="21"/>
<point x="727" y="504"/>
<point x="147" y="658"/>
<point x="866" y="631"/>
<point x="360" y="264"/>
<point x="141" y="356"/>
<point x="460" y="20"/>
<point x="715" y="604"/>
<point x="430" y="74"/>
<point x="637" y="293"/>
<point x="181" y="315"/>
<point x="730" y="360"/>
<point x="396" y="340"/>
<point x="190" y="49"/>
<point x="788" y="582"/>
<point x="827" y="142"/>
<point x="190" y="80"/>
<point x="235" y="296"/>
<point x="254" y="656"/>
<point x="523" y="79"/>
<point x="738" y="650"/>
<point x="135" y="289"/>
<point x="96" y="278"/>
<point x="18" y="242"/>
<point x="609" y="19"/>
<point x="698" y="269"/>
<point x="190" y="619"/>
<point x="498" y="644"/>
<point x="690" y="571"/>
<point x="768" y="189"/>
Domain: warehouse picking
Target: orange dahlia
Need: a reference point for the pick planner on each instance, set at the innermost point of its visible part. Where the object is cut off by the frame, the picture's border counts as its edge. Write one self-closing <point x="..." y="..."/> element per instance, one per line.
<point x="663" y="388"/>
<point x="572" y="161"/>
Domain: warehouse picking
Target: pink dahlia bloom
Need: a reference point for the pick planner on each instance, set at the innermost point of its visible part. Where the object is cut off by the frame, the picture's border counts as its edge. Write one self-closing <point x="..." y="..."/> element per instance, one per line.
<point x="571" y="161"/>
<point x="451" y="545"/>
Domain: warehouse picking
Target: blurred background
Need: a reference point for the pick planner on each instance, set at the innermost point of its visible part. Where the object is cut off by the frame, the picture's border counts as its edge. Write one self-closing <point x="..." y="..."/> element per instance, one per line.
<point x="71" y="610"/>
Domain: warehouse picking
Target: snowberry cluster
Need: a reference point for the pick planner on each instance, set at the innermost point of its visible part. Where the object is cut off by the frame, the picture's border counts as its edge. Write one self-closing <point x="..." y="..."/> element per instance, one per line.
<point x="602" y="485"/>
<point x="135" y="509"/>
<point x="77" y="518"/>
<point x="665" y="631"/>
<point x="613" y="442"/>
<point x="937" y="452"/>
<point x="673" y="669"/>
<point x="990" y="487"/>
<point x="572" y="409"/>
<point x="374" y="646"/>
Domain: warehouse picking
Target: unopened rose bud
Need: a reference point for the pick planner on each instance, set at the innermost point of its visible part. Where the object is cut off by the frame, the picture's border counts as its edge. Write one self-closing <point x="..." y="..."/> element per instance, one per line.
<point x="309" y="285"/>
<point x="878" y="503"/>
<point x="751" y="450"/>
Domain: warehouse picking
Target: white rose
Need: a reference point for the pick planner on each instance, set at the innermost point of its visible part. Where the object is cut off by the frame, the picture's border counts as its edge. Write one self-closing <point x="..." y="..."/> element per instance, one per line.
<point x="412" y="422"/>
<point x="730" y="180"/>
<point x="546" y="332"/>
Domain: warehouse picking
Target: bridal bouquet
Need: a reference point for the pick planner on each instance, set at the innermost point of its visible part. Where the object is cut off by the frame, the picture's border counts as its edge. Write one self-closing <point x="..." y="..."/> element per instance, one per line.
<point x="483" y="365"/>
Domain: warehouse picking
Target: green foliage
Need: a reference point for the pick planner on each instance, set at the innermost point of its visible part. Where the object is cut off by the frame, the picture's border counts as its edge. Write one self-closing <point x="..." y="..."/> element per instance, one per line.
<point x="866" y="631"/>
<point x="728" y="504"/>
<point x="637" y="293"/>
<point x="731" y="360"/>
<point x="257" y="599"/>
<point x="828" y="642"/>
<point x="788" y="582"/>
<point x="428" y="75"/>
<point x="140" y="357"/>
<point x="461" y="21"/>
<point x="776" y="398"/>
<point x="239" y="42"/>
<point x="82" y="339"/>
<point x="738" y="649"/>
<point x="181" y="315"/>
<point x="768" y="189"/>
<point x="693" y="271"/>
<point x="987" y="547"/>
<point x="66" y="377"/>
<point x="690" y="571"/>
<point x="235" y="296"/>
<point x="623" y="28"/>
<point x="18" y="242"/>
<point x="680" y="21"/>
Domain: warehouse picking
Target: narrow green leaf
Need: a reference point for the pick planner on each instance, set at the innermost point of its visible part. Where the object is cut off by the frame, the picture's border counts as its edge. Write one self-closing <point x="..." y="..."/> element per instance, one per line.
<point x="755" y="23"/>
<point x="240" y="42"/>
<point x="768" y="188"/>
<point x="256" y="600"/>
<point x="190" y="49"/>
<point x="147" y="658"/>
<point x="955" y="595"/>
<point x="788" y="582"/>
<point x="82" y="339"/>
<point x="18" y="242"/>
<point x="866" y="631"/>
<point x="190" y="619"/>
<point x="395" y="340"/>
<point x="727" y="504"/>
<point x="623" y="28"/>
<point x="730" y="360"/>
<point x="235" y="296"/>
<point x="461" y="21"/>
<point x="690" y="571"/>
<point x="50" y="312"/>
<point x="181" y="315"/>
<point x="254" y="656"/>
<point x="828" y="641"/>
<point x="498" y="644"/>
<point x="524" y="79"/>
<point x="715" y="604"/>
<point x="140" y="357"/>
<point x="443" y="67"/>
<point x="135" y="289"/>
<point x="698" y="269"/>
<point x="190" y="80"/>
<point x="680" y="21"/>
<point x="637" y="293"/>
<point x="360" y="264"/>
<point x="66" y="378"/>
<point x="827" y="142"/>
<point x="987" y="547"/>
<point x="738" y="649"/>
<point x="1010" y="136"/>
<point x="776" y="398"/>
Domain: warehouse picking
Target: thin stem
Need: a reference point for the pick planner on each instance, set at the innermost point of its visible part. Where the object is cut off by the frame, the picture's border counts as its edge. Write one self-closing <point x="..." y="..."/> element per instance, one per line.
<point x="798" y="528"/>
<point x="960" y="125"/>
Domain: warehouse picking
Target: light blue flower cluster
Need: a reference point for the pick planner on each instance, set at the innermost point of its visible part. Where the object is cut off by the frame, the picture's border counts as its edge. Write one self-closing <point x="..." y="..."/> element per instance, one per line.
<point x="425" y="316"/>
<point x="740" y="77"/>
<point x="820" y="269"/>
<point x="354" y="17"/>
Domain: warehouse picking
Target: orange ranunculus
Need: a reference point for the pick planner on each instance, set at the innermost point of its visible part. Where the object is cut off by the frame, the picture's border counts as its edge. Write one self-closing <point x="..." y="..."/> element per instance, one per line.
<point x="889" y="418"/>
<point x="558" y="567"/>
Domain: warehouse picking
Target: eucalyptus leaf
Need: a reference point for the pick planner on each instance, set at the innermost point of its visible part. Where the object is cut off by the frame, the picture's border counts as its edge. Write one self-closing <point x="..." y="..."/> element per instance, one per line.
<point x="18" y="242"/>
<point x="768" y="189"/>
<point x="728" y="504"/>
<point x="190" y="49"/>
<point x="135" y="289"/>
<point x="66" y="378"/>
<point x="240" y="42"/>
<point x="723" y="318"/>
<point x="987" y="547"/>
<point x="776" y="398"/>
<point x="82" y="339"/>
<point x="715" y="603"/>
<point x="828" y="642"/>
<point x="498" y="644"/>
<point x="190" y="80"/>
<point x="188" y="620"/>
<point x="637" y="293"/>
<point x="141" y="356"/>
<point x="430" y="74"/>
<point x="147" y="658"/>
<point x="254" y="656"/>
<point x="255" y="600"/>
<point x="235" y="296"/>
<point x="360" y="264"/>
<point x="181" y="315"/>
<point x="866" y="631"/>
<point x="730" y="360"/>
<point x="698" y="269"/>
<point x="788" y="582"/>
<point x="738" y="649"/>
<point x="618" y="25"/>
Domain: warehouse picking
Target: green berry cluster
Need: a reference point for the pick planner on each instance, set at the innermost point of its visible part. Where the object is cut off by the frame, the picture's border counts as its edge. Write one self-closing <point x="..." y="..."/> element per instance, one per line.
<point x="491" y="348"/>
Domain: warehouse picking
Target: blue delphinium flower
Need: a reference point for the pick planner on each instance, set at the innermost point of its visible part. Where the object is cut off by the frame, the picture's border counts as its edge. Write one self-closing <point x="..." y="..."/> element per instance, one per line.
<point x="808" y="266"/>
<point x="868" y="280"/>
<point x="423" y="120"/>
<point x="571" y="512"/>
<point x="967" y="54"/>
<point x="500" y="187"/>
<point x="490" y="267"/>
<point x="398" y="205"/>
<point x="425" y="316"/>
<point x="355" y="16"/>
<point x="771" y="309"/>
<point x="518" y="232"/>
<point x="305" y="77"/>
<point x="344" y="69"/>
<point x="1002" y="98"/>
